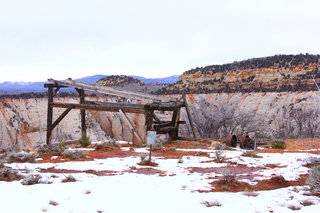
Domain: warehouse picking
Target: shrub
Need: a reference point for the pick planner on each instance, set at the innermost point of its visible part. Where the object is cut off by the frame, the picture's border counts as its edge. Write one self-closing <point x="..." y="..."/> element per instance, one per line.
<point x="70" y="178"/>
<point x="84" y="140"/>
<point x="307" y="203"/>
<point x="144" y="158"/>
<point x="31" y="179"/>
<point x="180" y="160"/>
<point x="220" y="158"/>
<point x="157" y="146"/>
<point x="278" y="145"/>
<point x="21" y="157"/>
<point x="313" y="161"/>
<point x="211" y="203"/>
<point x="76" y="154"/>
<point x="227" y="177"/>
<point x="221" y="147"/>
<point x="104" y="145"/>
<point x="196" y="144"/>
<point x="8" y="173"/>
<point x="51" y="148"/>
<point x="314" y="179"/>
<point x="249" y="154"/>
<point x="251" y="194"/>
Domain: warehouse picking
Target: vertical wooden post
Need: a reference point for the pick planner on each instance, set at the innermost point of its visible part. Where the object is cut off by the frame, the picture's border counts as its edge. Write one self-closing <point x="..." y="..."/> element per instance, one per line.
<point x="82" y="112"/>
<point x="175" y="122"/>
<point x="189" y="115"/>
<point x="49" y="114"/>
<point x="148" y="122"/>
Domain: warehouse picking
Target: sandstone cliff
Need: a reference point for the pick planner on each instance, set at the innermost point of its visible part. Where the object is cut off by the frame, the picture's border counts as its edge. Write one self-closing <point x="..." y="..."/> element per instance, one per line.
<point x="279" y="73"/>
<point x="287" y="114"/>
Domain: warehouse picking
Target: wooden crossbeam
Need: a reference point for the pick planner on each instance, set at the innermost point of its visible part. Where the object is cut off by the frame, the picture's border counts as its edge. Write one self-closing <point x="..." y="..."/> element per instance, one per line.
<point x="69" y="108"/>
<point x="92" y="117"/>
<point x="134" y="130"/>
<point x="109" y="90"/>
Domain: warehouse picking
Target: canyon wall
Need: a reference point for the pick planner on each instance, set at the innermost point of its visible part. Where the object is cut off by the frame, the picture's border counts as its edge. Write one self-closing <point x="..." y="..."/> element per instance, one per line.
<point x="23" y="121"/>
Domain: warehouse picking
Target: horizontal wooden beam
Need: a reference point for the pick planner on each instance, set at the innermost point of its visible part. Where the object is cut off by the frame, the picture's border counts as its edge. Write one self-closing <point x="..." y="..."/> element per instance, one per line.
<point x="109" y="90"/>
<point x="112" y="107"/>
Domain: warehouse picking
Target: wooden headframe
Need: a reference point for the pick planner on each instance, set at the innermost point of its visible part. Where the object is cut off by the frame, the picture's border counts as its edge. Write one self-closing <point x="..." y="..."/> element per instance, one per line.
<point x="152" y="122"/>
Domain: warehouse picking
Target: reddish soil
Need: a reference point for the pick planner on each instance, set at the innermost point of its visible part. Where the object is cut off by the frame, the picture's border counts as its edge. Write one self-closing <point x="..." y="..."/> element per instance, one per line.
<point x="275" y="182"/>
<point x="242" y="171"/>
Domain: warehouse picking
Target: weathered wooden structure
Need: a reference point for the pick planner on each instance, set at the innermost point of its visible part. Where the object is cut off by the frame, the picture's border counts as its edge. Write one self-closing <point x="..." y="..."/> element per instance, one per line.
<point x="152" y="122"/>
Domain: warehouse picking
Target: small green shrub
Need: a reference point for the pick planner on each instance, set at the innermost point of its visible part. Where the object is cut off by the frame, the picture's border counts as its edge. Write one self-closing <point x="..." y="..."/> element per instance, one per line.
<point x="31" y="179"/>
<point x="63" y="144"/>
<point x="278" y="145"/>
<point x="84" y="140"/>
<point x="21" y="157"/>
<point x="76" y="154"/>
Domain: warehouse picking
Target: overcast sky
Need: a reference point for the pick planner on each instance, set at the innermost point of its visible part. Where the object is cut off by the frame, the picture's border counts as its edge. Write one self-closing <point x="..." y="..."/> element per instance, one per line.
<point x="41" y="39"/>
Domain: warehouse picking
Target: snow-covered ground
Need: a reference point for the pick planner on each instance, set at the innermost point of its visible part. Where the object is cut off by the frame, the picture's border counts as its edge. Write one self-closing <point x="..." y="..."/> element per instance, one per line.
<point x="173" y="189"/>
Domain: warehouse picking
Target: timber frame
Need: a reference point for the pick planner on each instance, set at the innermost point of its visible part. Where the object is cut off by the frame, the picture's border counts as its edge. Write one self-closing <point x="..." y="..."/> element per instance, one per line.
<point x="152" y="122"/>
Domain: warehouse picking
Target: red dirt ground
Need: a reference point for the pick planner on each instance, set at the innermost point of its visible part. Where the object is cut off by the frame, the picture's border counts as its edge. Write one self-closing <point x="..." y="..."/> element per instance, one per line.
<point x="169" y="153"/>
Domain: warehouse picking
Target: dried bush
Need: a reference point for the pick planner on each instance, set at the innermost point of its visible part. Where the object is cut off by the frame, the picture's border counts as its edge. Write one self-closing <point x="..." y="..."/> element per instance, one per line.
<point x="313" y="161"/>
<point x="294" y="208"/>
<point x="314" y="179"/>
<point x="31" y="179"/>
<point x="8" y="173"/>
<point x="250" y="194"/>
<point x="104" y="145"/>
<point x="307" y="203"/>
<point x="196" y="144"/>
<point x="220" y="158"/>
<point x="249" y="154"/>
<point x="157" y="146"/>
<point x="50" y="148"/>
<point x="21" y="157"/>
<point x="221" y="147"/>
<point x="211" y="203"/>
<point x="69" y="178"/>
<point x="227" y="177"/>
<point x="76" y="154"/>
<point x="84" y="140"/>
<point x="144" y="159"/>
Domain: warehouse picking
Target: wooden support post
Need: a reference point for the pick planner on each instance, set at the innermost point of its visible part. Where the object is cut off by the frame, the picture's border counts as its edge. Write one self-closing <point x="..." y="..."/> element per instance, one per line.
<point x="189" y="116"/>
<point x="92" y="117"/>
<point x="49" y="114"/>
<point x="175" y="122"/>
<point x="60" y="118"/>
<point x="149" y="120"/>
<point x="134" y="130"/>
<point x="82" y="111"/>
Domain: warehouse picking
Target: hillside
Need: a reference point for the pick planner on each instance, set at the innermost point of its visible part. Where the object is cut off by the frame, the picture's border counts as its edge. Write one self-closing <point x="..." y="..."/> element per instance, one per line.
<point x="279" y="73"/>
<point x="129" y="83"/>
